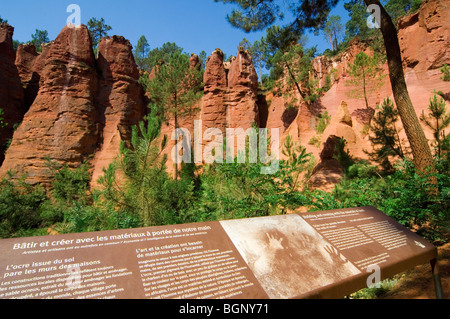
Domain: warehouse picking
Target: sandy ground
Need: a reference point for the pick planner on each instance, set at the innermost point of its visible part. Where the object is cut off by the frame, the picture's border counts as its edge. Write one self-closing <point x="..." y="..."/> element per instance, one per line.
<point x="417" y="283"/>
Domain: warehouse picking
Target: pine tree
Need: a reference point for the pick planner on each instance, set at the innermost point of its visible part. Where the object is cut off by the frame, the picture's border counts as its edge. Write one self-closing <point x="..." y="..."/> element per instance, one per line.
<point x="174" y="89"/>
<point x="38" y="38"/>
<point x="141" y="52"/>
<point x="295" y="63"/>
<point x="446" y="72"/>
<point x="357" y="24"/>
<point x="98" y="30"/>
<point x="333" y="31"/>
<point x="143" y="169"/>
<point x="385" y="136"/>
<point x="438" y="119"/>
<point x="162" y="54"/>
<point x="365" y="76"/>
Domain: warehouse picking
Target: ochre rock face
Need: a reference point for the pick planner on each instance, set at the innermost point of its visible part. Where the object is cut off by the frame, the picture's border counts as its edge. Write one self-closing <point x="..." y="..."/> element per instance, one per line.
<point x="26" y="56"/>
<point x="424" y="39"/>
<point x="84" y="108"/>
<point x="11" y="91"/>
<point x="230" y="92"/>
<point x="328" y="172"/>
<point x="425" y="36"/>
<point x="242" y="92"/>
<point x="120" y="99"/>
<point x="62" y="123"/>
<point x="214" y="107"/>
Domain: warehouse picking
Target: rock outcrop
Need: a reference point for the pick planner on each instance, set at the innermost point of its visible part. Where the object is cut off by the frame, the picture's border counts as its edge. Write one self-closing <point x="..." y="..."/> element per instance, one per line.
<point x="242" y="94"/>
<point x="120" y="99"/>
<point x="26" y="56"/>
<point x="62" y="124"/>
<point x="230" y="92"/>
<point x="214" y="102"/>
<point x="80" y="108"/>
<point x="424" y="36"/>
<point x="424" y="39"/>
<point x="30" y="65"/>
<point x="11" y="92"/>
<point x="328" y="172"/>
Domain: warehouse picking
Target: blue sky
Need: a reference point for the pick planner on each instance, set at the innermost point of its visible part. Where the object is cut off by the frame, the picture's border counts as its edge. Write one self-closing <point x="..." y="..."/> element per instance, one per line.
<point x="193" y="25"/>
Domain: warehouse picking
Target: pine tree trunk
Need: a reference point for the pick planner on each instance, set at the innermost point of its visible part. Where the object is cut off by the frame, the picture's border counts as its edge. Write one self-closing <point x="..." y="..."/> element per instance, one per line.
<point x="416" y="136"/>
<point x="364" y="88"/>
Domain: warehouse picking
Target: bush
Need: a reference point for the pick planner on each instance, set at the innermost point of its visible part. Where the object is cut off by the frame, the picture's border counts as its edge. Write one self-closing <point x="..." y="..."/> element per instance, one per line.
<point x="71" y="185"/>
<point x="406" y="196"/>
<point x="20" y="207"/>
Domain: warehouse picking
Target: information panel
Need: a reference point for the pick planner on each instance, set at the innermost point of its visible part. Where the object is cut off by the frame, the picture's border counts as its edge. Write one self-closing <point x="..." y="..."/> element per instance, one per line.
<point x="326" y="254"/>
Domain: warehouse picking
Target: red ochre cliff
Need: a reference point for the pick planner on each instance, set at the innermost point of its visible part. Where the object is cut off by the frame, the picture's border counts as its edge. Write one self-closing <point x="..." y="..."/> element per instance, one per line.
<point x="68" y="106"/>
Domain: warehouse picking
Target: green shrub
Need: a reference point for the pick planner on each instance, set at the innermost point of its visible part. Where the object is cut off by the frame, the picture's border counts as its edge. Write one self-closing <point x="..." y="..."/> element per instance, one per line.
<point x="20" y="207"/>
<point x="324" y="121"/>
<point x="406" y="196"/>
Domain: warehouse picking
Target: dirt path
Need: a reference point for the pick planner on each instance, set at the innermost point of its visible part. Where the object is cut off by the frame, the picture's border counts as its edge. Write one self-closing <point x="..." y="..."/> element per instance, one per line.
<point x="418" y="282"/>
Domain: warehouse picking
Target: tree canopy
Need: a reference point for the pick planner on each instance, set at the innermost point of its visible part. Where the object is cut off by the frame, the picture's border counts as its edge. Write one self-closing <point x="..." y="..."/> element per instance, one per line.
<point x="141" y="52"/>
<point x="98" y="29"/>
<point x="255" y="15"/>
<point x="38" y="38"/>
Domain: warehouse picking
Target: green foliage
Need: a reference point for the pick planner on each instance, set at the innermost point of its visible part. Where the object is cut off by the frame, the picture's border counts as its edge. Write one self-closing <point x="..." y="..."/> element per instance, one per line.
<point x="315" y="140"/>
<point x="21" y="206"/>
<point x="203" y="57"/>
<point x="174" y="90"/>
<point x="144" y="169"/>
<point x="365" y="76"/>
<point x="252" y="15"/>
<point x="297" y="63"/>
<point x="3" y="20"/>
<point x="239" y="190"/>
<point x="87" y="218"/>
<point x="255" y="15"/>
<point x="343" y="156"/>
<point x="333" y="31"/>
<point x="258" y="51"/>
<point x="385" y="136"/>
<point x="148" y="193"/>
<point x="141" y="52"/>
<point x="438" y="119"/>
<point x="67" y="207"/>
<point x="324" y="121"/>
<point x="2" y="123"/>
<point x="375" y="292"/>
<point x="175" y="87"/>
<point x="357" y="24"/>
<point x="235" y="190"/>
<point x="408" y="197"/>
<point x="162" y="55"/>
<point x="38" y="38"/>
<point x="70" y="185"/>
<point x="446" y="72"/>
<point x="399" y="8"/>
<point x="98" y="30"/>
<point x="298" y="163"/>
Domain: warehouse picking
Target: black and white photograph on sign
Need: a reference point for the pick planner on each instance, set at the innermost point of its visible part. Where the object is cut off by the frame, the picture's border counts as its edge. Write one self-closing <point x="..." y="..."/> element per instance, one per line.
<point x="288" y="257"/>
